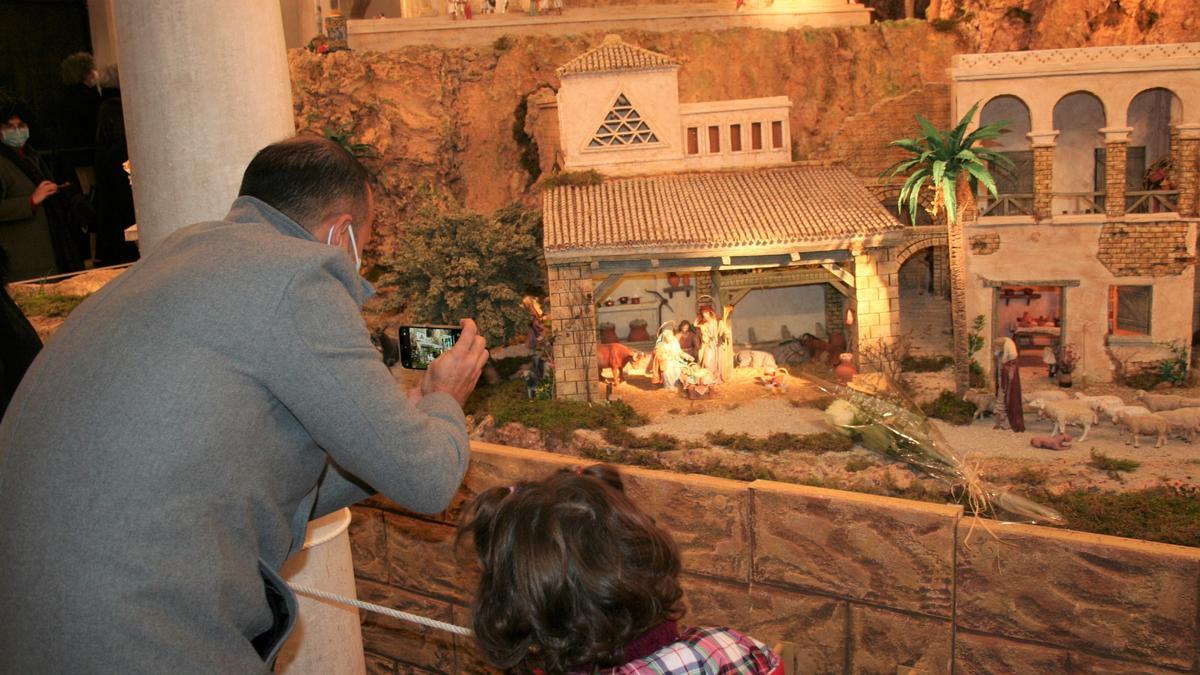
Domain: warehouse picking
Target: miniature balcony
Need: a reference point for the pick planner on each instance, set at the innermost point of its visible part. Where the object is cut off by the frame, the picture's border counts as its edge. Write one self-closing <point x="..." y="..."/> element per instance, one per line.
<point x="1152" y="201"/>
<point x="1006" y="205"/>
<point x="1077" y="203"/>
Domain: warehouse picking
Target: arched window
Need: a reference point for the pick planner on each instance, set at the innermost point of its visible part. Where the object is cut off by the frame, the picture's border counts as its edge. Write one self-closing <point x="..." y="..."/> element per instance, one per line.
<point x="1079" y="154"/>
<point x="1151" y="184"/>
<point x="1015" y="187"/>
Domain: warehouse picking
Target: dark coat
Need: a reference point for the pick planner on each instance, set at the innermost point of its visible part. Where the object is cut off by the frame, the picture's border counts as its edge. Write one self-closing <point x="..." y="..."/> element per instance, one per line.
<point x="166" y="450"/>
<point x="24" y="230"/>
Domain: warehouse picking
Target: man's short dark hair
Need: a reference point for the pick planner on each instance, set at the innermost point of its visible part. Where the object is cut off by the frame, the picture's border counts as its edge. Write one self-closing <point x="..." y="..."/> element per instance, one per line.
<point x="308" y="178"/>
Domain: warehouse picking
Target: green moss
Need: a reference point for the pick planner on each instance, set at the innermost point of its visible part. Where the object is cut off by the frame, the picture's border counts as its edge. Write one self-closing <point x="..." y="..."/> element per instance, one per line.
<point x="817" y="444"/>
<point x="658" y="442"/>
<point x="856" y="464"/>
<point x="507" y="402"/>
<point x="572" y="178"/>
<point x="950" y="408"/>
<point x="51" y="305"/>
<point x="1030" y="476"/>
<point x="1112" y="466"/>
<point x="1167" y="514"/>
<point x="925" y="364"/>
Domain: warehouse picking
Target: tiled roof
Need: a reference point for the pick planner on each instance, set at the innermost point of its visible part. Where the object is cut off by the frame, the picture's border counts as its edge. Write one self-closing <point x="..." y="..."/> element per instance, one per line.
<point x="615" y="54"/>
<point x="705" y="211"/>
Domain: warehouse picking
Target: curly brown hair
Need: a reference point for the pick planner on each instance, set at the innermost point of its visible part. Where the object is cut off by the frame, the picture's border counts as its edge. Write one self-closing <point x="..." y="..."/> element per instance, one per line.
<point x="571" y="569"/>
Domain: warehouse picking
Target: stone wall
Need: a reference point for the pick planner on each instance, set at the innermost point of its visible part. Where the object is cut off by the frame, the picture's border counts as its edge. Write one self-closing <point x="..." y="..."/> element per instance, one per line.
<point x="877" y="295"/>
<point x="1145" y="249"/>
<point x="861" y="584"/>
<point x="573" y="326"/>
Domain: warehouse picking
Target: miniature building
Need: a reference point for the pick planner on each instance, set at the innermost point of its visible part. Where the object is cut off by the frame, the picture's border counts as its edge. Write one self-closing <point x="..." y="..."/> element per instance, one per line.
<point x="641" y="249"/>
<point x="1092" y="239"/>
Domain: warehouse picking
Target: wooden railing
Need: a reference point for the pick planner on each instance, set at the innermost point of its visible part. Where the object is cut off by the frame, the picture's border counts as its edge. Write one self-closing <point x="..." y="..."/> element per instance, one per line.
<point x="1152" y="201"/>
<point x="1079" y="202"/>
<point x="1013" y="204"/>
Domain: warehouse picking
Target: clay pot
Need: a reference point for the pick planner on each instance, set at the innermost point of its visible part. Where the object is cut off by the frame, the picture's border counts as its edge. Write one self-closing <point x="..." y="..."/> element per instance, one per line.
<point x="845" y="370"/>
<point x="1064" y="380"/>
<point x="624" y="299"/>
<point x="637" y="332"/>
<point x="608" y="333"/>
<point x="673" y="279"/>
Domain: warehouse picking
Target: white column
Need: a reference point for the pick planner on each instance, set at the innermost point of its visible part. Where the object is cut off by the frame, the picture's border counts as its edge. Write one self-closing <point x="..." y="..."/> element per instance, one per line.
<point x="205" y="85"/>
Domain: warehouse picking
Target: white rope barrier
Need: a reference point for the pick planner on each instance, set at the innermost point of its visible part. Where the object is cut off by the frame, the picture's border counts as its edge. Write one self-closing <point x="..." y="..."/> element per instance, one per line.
<point x="380" y="609"/>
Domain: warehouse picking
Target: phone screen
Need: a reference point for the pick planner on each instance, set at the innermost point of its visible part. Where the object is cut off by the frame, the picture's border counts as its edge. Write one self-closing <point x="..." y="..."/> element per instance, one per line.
<point x="420" y="345"/>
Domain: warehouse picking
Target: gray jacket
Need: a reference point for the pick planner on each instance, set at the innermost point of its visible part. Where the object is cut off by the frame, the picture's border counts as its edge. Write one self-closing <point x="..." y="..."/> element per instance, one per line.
<point x="165" y="451"/>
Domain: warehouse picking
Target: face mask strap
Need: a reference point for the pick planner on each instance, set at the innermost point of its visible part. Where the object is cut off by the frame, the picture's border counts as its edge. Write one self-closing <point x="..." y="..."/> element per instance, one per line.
<point x="353" y="245"/>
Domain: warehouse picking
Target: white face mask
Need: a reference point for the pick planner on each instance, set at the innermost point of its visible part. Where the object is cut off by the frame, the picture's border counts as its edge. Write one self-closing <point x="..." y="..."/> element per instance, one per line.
<point x="353" y="245"/>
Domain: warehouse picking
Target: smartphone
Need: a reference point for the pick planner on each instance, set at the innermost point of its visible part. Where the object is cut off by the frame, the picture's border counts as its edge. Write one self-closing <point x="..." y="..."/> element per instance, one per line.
<point x="420" y="345"/>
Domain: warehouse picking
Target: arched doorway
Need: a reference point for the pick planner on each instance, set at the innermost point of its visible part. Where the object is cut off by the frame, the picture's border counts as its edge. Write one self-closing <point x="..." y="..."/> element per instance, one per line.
<point x="1150" y="171"/>
<point x="1079" y="155"/>
<point x="924" y="281"/>
<point x="1014" y="188"/>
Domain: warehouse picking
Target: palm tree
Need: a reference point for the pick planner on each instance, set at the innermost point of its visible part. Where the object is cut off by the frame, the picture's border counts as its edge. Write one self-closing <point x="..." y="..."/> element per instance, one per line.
<point x="950" y="164"/>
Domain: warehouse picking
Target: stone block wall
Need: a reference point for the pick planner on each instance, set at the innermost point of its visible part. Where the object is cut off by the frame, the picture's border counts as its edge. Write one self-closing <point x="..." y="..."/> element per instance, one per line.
<point x="1114" y="178"/>
<point x="1188" y="175"/>
<point x="1043" y="180"/>
<point x="877" y="295"/>
<point x="573" y="322"/>
<point x="861" y="584"/>
<point x="835" y="310"/>
<point x="1145" y="249"/>
<point x="861" y="142"/>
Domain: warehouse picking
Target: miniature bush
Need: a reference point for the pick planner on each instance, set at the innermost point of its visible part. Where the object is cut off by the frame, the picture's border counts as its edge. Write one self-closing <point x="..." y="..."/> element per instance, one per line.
<point x="925" y="364"/>
<point x="1112" y="466"/>
<point x="506" y="402"/>
<point x="819" y="443"/>
<point x="571" y="178"/>
<point x="51" y="305"/>
<point x="950" y="408"/>
<point x="459" y="265"/>
<point x="658" y="442"/>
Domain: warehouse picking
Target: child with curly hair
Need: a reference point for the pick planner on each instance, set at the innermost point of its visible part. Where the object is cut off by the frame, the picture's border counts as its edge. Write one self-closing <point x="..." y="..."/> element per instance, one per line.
<point x="577" y="579"/>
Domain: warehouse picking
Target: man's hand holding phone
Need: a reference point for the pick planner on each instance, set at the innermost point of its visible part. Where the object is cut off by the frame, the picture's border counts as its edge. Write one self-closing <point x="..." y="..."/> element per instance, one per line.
<point x="457" y="370"/>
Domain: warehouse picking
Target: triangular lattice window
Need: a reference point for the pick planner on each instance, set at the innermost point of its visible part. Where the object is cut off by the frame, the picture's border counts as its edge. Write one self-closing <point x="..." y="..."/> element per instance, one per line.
<point x="622" y="126"/>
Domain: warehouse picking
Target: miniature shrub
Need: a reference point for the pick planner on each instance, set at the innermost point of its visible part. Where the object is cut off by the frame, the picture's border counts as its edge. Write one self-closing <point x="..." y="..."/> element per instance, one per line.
<point x="51" y="305"/>
<point x="458" y="265"/>
<point x="925" y="364"/>
<point x="571" y="178"/>
<point x="1111" y="465"/>
<point x="618" y="455"/>
<point x="503" y="43"/>
<point x="950" y="408"/>
<point x="818" y="444"/>
<point x="656" y="441"/>
<point x="506" y="402"/>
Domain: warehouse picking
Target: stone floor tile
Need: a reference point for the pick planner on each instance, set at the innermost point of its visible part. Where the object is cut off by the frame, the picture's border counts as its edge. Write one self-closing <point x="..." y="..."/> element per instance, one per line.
<point x="409" y="644"/>
<point x="891" y="552"/>
<point x="883" y="641"/>
<point x="815" y="625"/>
<point x="988" y="655"/>
<point x="1123" y="598"/>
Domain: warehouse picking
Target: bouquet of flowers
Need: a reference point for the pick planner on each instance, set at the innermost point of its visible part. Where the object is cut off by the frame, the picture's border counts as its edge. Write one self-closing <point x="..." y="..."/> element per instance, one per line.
<point x="901" y="434"/>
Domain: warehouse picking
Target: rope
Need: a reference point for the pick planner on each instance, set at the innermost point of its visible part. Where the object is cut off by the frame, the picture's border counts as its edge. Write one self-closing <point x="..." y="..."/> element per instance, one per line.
<point x="379" y="609"/>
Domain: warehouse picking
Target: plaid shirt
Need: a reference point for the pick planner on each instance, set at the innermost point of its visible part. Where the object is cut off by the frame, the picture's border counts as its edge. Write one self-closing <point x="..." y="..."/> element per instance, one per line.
<point x="705" y="651"/>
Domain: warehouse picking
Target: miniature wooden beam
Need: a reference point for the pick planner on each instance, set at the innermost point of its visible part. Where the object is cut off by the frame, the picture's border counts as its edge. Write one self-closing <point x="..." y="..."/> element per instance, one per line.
<point x="602" y="289"/>
<point x="839" y="272"/>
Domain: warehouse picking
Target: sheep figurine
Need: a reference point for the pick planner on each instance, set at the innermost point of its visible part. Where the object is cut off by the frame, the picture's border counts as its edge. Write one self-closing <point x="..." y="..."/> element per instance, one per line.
<point x="983" y="402"/>
<point x="1185" y="421"/>
<point x="1066" y="412"/>
<point x="1111" y="411"/>
<point x="1099" y="403"/>
<point x="1147" y="424"/>
<point x="1046" y="395"/>
<point x="1157" y="402"/>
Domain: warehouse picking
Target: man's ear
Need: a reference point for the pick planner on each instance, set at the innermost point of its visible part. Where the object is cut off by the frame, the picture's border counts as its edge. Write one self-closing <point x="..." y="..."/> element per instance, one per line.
<point x="335" y="228"/>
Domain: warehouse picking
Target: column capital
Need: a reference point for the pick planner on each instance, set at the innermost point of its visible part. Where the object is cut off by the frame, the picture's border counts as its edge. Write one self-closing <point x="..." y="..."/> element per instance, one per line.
<point x="1116" y="134"/>
<point x="1042" y="139"/>
<point x="1188" y="132"/>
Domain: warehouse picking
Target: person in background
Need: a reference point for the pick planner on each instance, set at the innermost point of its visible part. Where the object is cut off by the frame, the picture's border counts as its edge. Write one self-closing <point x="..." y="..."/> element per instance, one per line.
<point x="34" y="222"/>
<point x="577" y="579"/>
<point x="166" y="450"/>
<point x="113" y="196"/>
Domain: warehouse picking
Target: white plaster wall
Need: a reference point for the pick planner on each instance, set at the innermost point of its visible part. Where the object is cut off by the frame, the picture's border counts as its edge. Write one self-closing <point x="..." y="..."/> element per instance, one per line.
<point x="585" y="100"/>
<point x="634" y="286"/>
<point x="1151" y="114"/>
<point x="1012" y="110"/>
<point x="1078" y="118"/>
<point x="1085" y="322"/>
<point x="799" y="308"/>
<point x="723" y="114"/>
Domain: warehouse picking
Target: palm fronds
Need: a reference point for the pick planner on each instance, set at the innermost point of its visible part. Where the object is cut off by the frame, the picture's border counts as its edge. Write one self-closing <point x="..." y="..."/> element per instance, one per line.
<point x="941" y="157"/>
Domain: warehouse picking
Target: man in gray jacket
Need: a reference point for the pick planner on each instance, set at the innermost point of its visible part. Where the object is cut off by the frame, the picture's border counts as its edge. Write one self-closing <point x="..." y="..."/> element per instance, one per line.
<point x="164" y="453"/>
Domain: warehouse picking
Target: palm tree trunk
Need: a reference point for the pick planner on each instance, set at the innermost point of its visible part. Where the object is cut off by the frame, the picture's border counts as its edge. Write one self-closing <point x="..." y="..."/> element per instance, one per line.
<point x="958" y="282"/>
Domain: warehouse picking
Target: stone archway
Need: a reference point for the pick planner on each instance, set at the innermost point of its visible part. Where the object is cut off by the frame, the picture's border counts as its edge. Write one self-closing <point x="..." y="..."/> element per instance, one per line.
<point x="924" y="281"/>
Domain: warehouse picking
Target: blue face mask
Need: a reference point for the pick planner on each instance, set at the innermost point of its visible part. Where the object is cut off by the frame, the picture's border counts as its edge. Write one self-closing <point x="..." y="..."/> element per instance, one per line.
<point x="15" y="138"/>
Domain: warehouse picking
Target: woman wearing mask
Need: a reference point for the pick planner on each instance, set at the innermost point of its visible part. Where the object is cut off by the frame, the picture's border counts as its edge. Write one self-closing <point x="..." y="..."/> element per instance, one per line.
<point x="25" y="213"/>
